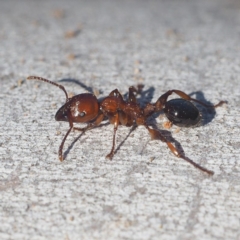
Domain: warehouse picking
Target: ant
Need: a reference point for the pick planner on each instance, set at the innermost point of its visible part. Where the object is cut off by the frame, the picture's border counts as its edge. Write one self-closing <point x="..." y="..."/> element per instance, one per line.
<point x="85" y="108"/>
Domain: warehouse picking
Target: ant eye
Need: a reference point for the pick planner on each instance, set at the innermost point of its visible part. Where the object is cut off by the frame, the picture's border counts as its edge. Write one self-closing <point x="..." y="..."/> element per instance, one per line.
<point x="82" y="114"/>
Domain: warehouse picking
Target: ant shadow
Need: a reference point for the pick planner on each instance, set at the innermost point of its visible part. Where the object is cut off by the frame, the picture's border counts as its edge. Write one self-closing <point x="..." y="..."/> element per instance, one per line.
<point x="79" y="83"/>
<point x="71" y="145"/>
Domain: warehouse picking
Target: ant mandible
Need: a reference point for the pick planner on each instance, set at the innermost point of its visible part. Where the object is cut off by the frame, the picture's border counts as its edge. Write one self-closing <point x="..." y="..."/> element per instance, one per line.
<point x="85" y="108"/>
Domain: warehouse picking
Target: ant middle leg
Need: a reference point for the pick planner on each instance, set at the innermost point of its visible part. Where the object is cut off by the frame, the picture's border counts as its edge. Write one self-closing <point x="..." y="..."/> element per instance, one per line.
<point x="132" y="90"/>
<point x="156" y="135"/>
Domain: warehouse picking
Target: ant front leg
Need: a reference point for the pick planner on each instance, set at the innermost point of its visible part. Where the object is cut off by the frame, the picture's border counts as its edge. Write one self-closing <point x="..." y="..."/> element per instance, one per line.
<point x="60" y="155"/>
<point x="155" y="134"/>
<point x="115" y="120"/>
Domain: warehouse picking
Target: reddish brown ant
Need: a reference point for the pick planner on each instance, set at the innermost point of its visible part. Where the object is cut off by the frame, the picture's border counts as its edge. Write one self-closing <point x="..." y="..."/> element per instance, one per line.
<point x="85" y="108"/>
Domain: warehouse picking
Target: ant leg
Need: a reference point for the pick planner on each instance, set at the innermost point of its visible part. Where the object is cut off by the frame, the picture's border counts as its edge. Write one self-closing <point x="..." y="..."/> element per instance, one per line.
<point x="96" y="123"/>
<point x="132" y="90"/>
<point x="115" y="121"/>
<point x="89" y="126"/>
<point x="155" y="134"/>
<point x="219" y="104"/>
<point x="131" y="95"/>
<point x="162" y="100"/>
<point x="187" y="97"/>
<point x="60" y="155"/>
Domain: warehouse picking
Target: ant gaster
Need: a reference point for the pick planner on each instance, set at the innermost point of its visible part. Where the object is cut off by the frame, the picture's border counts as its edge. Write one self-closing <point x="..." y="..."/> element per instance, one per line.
<point x="85" y="108"/>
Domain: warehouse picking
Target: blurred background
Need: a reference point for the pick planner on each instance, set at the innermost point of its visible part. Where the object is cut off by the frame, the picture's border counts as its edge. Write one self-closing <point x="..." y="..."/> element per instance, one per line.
<point x="144" y="192"/>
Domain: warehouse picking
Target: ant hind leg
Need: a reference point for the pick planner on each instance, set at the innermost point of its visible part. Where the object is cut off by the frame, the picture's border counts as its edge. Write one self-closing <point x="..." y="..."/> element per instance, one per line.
<point x="163" y="99"/>
<point x="155" y="134"/>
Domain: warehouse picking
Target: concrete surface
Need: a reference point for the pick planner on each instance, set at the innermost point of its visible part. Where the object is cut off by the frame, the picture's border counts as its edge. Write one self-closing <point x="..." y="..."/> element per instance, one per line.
<point x="144" y="192"/>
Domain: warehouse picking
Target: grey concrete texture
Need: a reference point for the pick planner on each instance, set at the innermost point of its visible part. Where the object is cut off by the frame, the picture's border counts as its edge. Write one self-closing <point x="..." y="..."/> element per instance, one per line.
<point x="145" y="192"/>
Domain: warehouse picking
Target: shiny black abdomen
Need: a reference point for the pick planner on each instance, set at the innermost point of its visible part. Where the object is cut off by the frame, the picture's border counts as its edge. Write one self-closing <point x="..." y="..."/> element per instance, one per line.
<point x="182" y="113"/>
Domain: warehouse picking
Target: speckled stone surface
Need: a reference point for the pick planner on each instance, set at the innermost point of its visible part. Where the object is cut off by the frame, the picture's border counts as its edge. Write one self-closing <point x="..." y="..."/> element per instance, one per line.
<point x="144" y="192"/>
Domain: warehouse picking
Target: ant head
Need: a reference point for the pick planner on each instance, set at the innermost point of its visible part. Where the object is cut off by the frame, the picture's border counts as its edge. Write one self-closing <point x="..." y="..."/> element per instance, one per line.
<point x="81" y="108"/>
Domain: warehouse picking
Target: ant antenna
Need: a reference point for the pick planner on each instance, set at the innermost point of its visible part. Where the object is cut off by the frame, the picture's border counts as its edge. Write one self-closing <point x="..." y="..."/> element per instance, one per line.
<point x="48" y="81"/>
